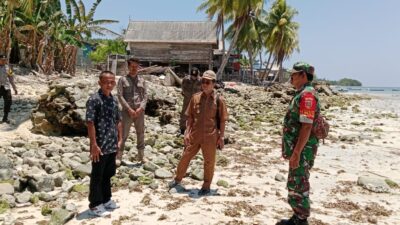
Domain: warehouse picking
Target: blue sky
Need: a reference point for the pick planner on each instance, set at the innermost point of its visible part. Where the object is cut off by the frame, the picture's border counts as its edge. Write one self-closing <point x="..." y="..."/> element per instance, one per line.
<point x="358" y="39"/>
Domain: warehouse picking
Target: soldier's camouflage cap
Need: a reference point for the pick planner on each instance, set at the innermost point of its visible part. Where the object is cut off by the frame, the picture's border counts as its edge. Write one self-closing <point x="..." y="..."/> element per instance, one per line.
<point x="302" y="67"/>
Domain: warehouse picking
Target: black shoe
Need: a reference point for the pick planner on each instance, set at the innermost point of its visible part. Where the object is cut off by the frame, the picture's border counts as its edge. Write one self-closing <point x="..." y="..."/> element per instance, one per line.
<point x="203" y="192"/>
<point x="294" y="220"/>
<point x="5" y="121"/>
<point x="173" y="184"/>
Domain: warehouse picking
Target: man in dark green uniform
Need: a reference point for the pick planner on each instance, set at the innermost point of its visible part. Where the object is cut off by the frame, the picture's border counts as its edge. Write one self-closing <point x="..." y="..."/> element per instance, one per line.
<point x="191" y="84"/>
<point x="298" y="143"/>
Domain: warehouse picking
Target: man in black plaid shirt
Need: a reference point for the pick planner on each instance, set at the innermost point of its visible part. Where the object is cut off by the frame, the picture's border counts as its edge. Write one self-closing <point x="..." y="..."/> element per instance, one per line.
<point x="105" y="133"/>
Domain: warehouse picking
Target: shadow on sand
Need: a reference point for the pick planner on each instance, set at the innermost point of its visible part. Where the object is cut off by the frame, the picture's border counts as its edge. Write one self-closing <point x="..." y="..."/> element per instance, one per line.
<point x="193" y="192"/>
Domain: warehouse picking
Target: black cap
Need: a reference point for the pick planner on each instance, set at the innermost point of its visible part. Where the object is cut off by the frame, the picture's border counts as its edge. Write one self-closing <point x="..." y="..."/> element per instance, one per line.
<point x="194" y="71"/>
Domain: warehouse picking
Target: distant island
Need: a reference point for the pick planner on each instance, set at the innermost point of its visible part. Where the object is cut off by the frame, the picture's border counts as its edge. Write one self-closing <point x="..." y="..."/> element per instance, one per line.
<point x="343" y="82"/>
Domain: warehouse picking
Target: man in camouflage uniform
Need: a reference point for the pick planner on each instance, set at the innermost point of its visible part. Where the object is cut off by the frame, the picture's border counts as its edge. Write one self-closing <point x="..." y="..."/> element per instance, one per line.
<point x="6" y="80"/>
<point x="299" y="145"/>
<point x="191" y="84"/>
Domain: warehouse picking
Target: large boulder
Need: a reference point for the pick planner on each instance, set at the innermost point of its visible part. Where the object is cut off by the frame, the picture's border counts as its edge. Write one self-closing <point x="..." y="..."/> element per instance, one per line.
<point x="61" y="216"/>
<point x="41" y="184"/>
<point x="374" y="184"/>
<point x="61" y="111"/>
<point x="6" y="188"/>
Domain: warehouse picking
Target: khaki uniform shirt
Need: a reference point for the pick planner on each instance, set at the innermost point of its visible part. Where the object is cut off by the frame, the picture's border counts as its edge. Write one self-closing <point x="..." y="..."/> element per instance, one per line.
<point x="203" y="111"/>
<point x="132" y="92"/>
<point x="6" y="78"/>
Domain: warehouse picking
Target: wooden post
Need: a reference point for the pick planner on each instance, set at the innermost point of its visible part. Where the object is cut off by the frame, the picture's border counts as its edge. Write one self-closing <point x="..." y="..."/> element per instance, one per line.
<point x="190" y="68"/>
<point x="108" y="62"/>
<point x="210" y="67"/>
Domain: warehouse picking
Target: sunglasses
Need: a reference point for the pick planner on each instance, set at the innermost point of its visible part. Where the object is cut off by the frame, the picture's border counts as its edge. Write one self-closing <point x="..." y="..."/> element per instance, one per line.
<point x="206" y="82"/>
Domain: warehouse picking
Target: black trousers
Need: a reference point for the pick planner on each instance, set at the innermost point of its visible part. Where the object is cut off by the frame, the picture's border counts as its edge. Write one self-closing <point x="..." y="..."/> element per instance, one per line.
<point x="100" y="180"/>
<point x="6" y="95"/>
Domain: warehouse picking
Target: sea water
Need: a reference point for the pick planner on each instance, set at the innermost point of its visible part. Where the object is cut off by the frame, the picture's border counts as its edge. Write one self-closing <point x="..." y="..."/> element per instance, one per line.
<point x="386" y="99"/>
<point x="369" y="90"/>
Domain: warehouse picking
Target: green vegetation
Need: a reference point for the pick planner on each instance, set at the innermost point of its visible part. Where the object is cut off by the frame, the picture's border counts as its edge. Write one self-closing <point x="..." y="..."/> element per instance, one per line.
<point x="106" y="47"/>
<point x="46" y="210"/>
<point x="80" y="188"/>
<point x="49" y="37"/>
<point x="391" y="183"/>
<point x="34" y="199"/>
<point x="69" y="174"/>
<point x="253" y="30"/>
<point x="144" y="180"/>
<point x="343" y="82"/>
<point x="4" y="206"/>
<point x="223" y="183"/>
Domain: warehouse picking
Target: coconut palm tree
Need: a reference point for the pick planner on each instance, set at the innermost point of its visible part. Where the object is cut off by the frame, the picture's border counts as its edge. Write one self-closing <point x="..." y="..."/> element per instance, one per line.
<point x="242" y="11"/>
<point x="218" y="8"/>
<point x="236" y="11"/>
<point x="282" y="40"/>
<point x="250" y="37"/>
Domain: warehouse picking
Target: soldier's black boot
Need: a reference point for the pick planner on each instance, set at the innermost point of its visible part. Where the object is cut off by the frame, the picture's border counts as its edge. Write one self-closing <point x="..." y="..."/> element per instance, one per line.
<point x="294" y="220"/>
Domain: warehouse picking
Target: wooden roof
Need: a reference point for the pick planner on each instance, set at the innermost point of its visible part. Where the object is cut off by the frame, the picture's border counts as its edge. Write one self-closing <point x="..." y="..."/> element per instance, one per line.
<point x="171" y="32"/>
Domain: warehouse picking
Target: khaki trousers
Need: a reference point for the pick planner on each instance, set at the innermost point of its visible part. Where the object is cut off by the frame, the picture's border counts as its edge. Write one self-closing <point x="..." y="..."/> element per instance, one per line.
<point x="208" y="149"/>
<point x="139" y="128"/>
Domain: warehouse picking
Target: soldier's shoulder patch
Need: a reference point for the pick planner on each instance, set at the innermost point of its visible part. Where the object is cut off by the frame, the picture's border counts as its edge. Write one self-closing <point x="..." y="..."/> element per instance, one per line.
<point x="308" y="105"/>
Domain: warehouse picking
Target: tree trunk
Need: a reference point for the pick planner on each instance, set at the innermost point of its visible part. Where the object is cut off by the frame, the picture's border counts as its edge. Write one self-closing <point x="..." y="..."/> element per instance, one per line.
<point x="279" y="72"/>
<point x="266" y="67"/>
<point x="8" y="50"/>
<point x="226" y="57"/>
<point x="70" y="59"/>
<point x="252" y="80"/>
<point x="223" y="35"/>
<point x="270" y="68"/>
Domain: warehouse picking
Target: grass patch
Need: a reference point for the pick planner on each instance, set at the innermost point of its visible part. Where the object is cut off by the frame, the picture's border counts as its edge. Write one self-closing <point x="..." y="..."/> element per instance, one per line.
<point x="46" y="210"/>
<point x="34" y="199"/>
<point x="377" y="129"/>
<point x="80" y="188"/>
<point x="4" y="206"/>
<point x="391" y="183"/>
<point x="145" y="180"/>
<point x="69" y="174"/>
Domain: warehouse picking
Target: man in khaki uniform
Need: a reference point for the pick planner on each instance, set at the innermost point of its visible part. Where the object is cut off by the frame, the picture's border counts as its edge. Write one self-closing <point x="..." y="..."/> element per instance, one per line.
<point x="191" y="84"/>
<point x="202" y="131"/>
<point x="132" y="96"/>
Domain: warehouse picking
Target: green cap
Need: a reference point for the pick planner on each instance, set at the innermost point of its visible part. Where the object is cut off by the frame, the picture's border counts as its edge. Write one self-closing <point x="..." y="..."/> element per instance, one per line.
<point x="303" y="67"/>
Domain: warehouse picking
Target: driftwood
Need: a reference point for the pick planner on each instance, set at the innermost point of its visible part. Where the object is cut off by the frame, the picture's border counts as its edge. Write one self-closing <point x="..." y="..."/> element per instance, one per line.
<point x="153" y="70"/>
<point x="171" y="79"/>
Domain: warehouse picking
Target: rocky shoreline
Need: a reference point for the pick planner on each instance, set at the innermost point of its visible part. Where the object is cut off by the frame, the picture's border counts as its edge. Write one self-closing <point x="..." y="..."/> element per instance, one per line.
<point x="44" y="179"/>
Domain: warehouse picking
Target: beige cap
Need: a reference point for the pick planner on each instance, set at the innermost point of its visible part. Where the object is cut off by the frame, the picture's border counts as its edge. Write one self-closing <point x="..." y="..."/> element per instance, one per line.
<point x="209" y="75"/>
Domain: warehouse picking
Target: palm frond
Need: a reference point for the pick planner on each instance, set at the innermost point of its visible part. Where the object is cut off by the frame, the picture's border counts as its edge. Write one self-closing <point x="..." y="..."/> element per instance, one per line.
<point x="93" y="10"/>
